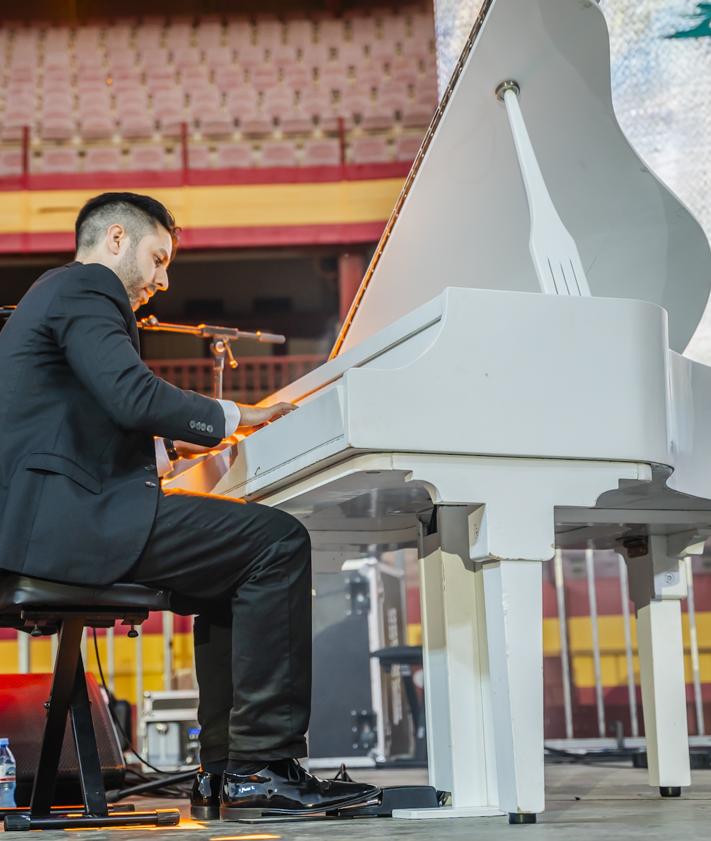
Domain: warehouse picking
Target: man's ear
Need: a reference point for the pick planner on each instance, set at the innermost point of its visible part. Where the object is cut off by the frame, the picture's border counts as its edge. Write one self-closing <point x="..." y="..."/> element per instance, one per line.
<point x="114" y="237"/>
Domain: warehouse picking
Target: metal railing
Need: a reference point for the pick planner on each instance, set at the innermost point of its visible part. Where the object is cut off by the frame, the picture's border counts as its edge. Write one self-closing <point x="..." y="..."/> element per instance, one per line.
<point x="254" y="378"/>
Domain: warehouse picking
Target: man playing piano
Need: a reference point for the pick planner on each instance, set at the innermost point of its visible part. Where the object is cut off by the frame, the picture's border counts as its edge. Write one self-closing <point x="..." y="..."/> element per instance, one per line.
<point x="83" y="420"/>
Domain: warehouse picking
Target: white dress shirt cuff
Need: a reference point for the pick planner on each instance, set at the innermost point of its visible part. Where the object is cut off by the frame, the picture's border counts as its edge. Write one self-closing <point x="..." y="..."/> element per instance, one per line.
<point x="163" y="463"/>
<point x="232" y="416"/>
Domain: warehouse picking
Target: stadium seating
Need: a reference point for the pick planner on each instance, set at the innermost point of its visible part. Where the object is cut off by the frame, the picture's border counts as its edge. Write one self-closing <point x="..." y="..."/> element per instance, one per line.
<point x="121" y="95"/>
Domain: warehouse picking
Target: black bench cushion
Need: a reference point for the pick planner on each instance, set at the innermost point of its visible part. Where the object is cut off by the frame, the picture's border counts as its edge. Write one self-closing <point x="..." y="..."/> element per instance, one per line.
<point x="20" y="592"/>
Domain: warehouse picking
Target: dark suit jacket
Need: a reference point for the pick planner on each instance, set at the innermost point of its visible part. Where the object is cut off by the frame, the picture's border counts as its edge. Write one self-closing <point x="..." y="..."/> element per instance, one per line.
<point x="78" y="412"/>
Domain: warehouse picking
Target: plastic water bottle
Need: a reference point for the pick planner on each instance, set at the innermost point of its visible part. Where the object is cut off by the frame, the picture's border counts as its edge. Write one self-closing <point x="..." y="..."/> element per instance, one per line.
<point x="7" y="775"/>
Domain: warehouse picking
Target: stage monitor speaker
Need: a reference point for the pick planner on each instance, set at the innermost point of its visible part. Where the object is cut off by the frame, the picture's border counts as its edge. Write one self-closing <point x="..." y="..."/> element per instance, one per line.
<point x="22" y="719"/>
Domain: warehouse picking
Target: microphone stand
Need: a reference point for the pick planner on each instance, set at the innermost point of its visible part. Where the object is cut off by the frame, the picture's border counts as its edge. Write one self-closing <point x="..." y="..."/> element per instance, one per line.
<point x="220" y="338"/>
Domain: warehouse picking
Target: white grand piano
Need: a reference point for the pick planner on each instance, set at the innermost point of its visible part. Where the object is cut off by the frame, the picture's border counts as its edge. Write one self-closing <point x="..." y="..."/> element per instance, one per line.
<point x="509" y="380"/>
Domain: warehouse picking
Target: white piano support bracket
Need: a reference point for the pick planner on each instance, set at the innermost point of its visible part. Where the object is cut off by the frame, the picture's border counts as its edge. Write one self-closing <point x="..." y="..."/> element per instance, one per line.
<point x="657" y="586"/>
<point x="554" y="251"/>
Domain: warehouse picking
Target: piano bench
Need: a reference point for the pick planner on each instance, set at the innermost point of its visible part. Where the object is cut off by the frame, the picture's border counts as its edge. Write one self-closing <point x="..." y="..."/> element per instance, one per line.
<point x="40" y="608"/>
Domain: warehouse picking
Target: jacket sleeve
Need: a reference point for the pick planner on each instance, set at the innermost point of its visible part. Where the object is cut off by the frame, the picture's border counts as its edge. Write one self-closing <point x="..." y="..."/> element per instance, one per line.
<point x="91" y="330"/>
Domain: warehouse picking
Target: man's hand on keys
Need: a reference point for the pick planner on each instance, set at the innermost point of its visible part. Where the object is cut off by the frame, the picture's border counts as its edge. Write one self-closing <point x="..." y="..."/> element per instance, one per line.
<point x="259" y="415"/>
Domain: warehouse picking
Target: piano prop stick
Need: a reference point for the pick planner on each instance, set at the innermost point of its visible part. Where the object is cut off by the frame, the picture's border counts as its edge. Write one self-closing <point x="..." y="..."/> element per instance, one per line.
<point x="464" y="411"/>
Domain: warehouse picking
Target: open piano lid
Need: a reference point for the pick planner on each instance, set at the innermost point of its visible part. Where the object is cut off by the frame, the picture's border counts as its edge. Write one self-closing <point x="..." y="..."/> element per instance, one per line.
<point x="462" y="218"/>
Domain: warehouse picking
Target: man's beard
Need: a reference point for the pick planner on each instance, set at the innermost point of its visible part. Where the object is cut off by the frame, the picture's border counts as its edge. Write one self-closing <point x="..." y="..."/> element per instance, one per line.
<point x="130" y="275"/>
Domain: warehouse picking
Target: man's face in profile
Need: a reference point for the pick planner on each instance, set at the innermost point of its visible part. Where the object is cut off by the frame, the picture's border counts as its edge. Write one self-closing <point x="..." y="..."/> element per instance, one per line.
<point x="143" y="268"/>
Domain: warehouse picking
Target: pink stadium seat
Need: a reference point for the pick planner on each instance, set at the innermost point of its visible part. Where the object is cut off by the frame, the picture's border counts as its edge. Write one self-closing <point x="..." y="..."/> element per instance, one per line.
<point x="277" y="153"/>
<point x="250" y="55"/>
<point x="209" y="34"/>
<point x="97" y="127"/>
<point x="215" y="123"/>
<point x="13" y="123"/>
<point x="238" y="33"/>
<point x="299" y="32"/>
<point x="234" y="156"/>
<point x="147" y="158"/>
<point x="219" y="57"/>
<point x="417" y="116"/>
<point x="155" y="59"/>
<point x="297" y="76"/>
<point x="381" y="51"/>
<point x="194" y="75"/>
<point x="369" y="150"/>
<point x="296" y="122"/>
<point x="351" y="53"/>
<point x="198" y="156"/>
<point x="278" y="101"/>
<point x="11" y="162"/>
<point x="56" y="61"/>
<point x="331" y="31"/>
<point x="407" y="146"/>
<point x="322" y="153"/>
<point x="241" y="98"/>
<point x="363" y="29"/>
<point x="102" y="159"/>
<point x="229" y="79"/>
<point x="59" y="160"/>
<point x="187" y="57"/>
<point x="178" y="33"/>
<point x="168" y="102"/>
<point x="268" y="32"/>
<point x="253" y="122"/>
<point x="264" y="76"/>
<point x="378" y="116"/>
<point x="282" y="54"/>
<point x="149" y="34"/>
<point x="135" y="124"/>
<point x="171" y="123"/>
<point x="57" y="128"/>
<point x="394" y="28"/>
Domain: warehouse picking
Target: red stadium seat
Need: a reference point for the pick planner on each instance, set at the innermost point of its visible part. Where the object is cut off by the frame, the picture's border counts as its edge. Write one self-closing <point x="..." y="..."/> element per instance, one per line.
<point x="277" y="153"/>
<point x="369" y="150"/>
<point x="58" y="160"/>
<point x="264" y="76"/>
<point x="281" y="54"/>
<point x="102" y="159"/>
<point x="417" y="116"/>
<point x="234" y="156"/>
<point x="187" y="57"/>
<point x="268" y="32"/>
<point x="299" y="32"/>
<point x="219" y="57"/>
<point x="229" y="79"/>
<point x="297" y="76"/>
<point x="322" y="153"/>
<point x="238" y="33"/>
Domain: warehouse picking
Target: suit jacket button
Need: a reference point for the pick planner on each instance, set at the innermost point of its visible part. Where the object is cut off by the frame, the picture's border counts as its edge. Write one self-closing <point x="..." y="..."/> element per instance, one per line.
<point x="150" y="467"/>
<point x="151" y="485"/>
<point x="209" y="427"/>
<point x="192" y="424"/>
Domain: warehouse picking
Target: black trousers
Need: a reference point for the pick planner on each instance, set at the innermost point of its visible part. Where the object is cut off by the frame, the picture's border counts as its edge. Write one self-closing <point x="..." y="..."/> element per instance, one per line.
<point x="245" y="570"/>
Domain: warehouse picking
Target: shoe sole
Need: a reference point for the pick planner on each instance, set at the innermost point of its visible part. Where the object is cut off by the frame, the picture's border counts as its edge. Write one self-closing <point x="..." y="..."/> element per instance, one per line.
<point x="205" y="813"/>
<point x="235" y="813"/>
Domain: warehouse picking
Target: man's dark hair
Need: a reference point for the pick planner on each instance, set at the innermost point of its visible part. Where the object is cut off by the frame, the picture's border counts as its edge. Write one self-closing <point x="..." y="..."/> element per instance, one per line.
<point x="135" y="212"/>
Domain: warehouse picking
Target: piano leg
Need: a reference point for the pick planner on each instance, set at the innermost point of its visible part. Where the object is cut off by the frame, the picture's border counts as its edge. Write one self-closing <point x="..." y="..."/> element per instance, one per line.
<point x="657" y="586"/>
<point x="460" y="737"/>
<point x="514" y="622"/>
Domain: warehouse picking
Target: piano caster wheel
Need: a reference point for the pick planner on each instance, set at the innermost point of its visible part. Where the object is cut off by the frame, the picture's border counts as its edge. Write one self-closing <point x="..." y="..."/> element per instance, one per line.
<point x="670" y="791"/>
<point x="522" y="817"/>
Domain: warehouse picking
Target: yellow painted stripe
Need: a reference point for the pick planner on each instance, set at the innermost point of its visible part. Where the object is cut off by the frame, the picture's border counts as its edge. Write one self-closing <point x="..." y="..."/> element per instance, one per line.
<point x="239" y="205"/>
<point x="612" y="654"/>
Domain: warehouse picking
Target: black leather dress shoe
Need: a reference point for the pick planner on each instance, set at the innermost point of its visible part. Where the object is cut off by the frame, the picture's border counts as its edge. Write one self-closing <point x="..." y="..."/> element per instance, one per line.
<point x="285" y="788"/>
<point x="205" y="796"/>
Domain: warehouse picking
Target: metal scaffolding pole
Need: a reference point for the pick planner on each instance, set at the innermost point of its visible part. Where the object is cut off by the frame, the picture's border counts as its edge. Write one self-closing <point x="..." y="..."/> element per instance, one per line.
<point x="631" y="686"/>
<point x="563" y="637"/>
<point x="592" y="597"/>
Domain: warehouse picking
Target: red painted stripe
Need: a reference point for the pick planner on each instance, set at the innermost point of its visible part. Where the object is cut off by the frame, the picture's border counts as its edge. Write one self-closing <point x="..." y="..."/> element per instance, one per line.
<point x="240" y="237"/>
<point x="205" y="177"/>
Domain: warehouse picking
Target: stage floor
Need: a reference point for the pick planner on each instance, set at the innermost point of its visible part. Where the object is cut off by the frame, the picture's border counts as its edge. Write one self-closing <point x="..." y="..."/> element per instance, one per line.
<point x="583" y="803"/>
